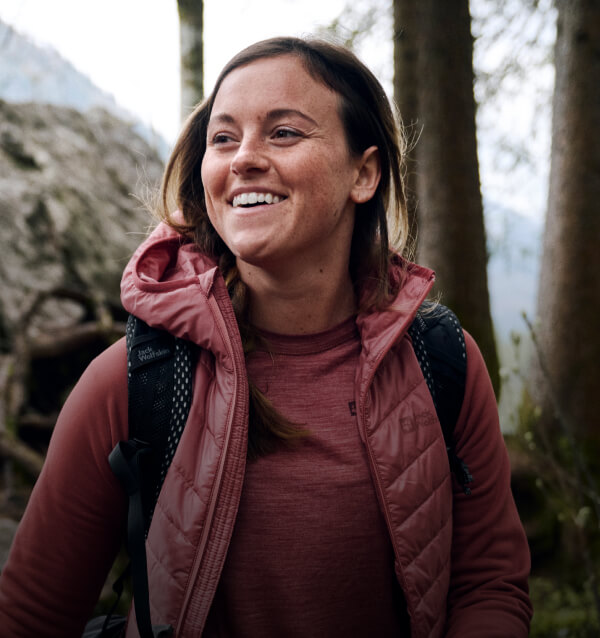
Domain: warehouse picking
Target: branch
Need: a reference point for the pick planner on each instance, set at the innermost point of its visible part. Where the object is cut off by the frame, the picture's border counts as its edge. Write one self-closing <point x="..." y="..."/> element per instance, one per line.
<point x="70" y="339"/>
<point x="37" y="421"/>
<point x="30" y="460"/>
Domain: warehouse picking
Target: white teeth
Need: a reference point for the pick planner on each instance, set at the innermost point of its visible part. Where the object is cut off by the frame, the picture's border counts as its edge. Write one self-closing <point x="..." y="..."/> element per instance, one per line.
<point x="255" y="198"/>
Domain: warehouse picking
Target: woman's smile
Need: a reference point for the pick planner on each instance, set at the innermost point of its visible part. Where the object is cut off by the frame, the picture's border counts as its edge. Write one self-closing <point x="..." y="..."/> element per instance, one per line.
<point x="253" y="199"/>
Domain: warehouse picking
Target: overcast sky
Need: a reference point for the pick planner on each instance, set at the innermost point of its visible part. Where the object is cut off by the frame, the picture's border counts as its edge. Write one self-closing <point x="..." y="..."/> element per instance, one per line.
<point x="130" y="48"/>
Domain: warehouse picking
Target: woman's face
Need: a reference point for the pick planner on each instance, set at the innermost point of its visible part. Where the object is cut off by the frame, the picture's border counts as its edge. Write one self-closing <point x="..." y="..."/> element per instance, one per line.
<point x="279" y="180"/>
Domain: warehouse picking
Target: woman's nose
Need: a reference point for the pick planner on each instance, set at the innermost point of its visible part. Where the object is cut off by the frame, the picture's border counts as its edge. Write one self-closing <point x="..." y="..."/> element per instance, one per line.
<point x="249" y="157"/>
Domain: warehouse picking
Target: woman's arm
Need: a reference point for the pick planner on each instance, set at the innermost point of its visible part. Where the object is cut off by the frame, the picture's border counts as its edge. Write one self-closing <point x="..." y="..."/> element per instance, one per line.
<point x="73" y="525"/>
<point x="490" y="556"/>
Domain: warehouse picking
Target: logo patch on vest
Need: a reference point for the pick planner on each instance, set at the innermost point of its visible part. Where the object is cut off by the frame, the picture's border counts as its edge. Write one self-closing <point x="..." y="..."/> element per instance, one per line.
<point x="412" y="423"/>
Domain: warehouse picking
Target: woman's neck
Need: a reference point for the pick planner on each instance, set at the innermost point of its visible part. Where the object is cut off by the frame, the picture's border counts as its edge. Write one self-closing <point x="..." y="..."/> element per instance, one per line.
<point x="305" y="304"/>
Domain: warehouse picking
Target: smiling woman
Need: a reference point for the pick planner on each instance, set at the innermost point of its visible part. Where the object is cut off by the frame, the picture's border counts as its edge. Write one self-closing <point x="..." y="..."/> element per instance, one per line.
<point x="310" y="494"/>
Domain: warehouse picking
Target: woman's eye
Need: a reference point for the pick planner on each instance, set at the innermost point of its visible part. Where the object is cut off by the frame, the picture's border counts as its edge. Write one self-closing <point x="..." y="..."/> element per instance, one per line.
<point x="220" y="138"/>
<point x="283" y="133"/>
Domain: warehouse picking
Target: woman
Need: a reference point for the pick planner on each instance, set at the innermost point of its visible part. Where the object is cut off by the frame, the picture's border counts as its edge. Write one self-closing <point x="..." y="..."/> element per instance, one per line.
<point x="295" y="504"/>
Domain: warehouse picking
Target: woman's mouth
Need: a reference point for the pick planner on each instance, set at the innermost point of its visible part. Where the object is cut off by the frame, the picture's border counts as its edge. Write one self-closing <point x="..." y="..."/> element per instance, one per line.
<point x="253" y="199"/>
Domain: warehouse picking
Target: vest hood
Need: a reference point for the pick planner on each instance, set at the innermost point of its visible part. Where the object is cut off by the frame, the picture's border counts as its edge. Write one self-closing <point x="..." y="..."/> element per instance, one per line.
<point x="168" y="281"/>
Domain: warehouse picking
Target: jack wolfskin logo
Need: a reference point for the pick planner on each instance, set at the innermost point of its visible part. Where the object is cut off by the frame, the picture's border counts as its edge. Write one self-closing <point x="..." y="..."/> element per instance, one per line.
<point x="411" y="423"/>
<point x="150" y="354"/>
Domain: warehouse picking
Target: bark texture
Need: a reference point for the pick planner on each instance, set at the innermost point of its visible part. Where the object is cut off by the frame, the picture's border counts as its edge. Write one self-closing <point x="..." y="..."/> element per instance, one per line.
<point x="569" y="293"/>
<point x="405" y="95"/>
<point x="192" y="54"/>
<point x="451" y="233"/>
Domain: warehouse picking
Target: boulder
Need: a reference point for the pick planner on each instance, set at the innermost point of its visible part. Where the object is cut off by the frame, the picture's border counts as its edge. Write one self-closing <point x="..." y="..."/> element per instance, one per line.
<point x="72" y="192"/>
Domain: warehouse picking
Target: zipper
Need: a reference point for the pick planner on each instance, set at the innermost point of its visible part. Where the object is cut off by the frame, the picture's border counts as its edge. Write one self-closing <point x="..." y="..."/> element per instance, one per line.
<point x="375" y="474"/>
<point x="222" y="478"/>
<point x="363" y="419"/>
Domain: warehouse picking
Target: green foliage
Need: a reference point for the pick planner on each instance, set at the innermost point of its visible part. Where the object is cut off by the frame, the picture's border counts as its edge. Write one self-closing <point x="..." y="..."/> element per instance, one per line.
<point x="562" y="611"/>
<point x="556" y="490"/>
<point x="565" y="483"/>
<point x="108" y="596"/>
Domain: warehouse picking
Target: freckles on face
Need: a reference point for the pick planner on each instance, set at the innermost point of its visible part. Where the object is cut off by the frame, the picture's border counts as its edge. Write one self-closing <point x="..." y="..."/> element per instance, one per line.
<point x="277" y="171"/>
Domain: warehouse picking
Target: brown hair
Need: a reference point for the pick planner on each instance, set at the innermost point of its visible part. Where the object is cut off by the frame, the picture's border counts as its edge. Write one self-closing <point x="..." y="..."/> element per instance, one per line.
<point x="368" y="120"/>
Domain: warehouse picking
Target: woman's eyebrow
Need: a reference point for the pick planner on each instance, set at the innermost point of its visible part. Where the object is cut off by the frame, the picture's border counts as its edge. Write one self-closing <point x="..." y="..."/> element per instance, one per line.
<point x="279" y="113"/>
<point x="222" y="118"/>
<point x="275" y="114"/>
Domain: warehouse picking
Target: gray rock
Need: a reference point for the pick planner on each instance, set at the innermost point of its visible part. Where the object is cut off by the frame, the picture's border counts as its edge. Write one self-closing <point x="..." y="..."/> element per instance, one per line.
<point x="70" y="207"/>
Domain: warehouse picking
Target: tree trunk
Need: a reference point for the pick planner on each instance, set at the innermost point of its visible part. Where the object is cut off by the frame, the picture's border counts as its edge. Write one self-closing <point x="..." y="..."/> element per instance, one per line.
<point x="192" y="54"/>
<point x="451" y="233"/>
<point x="406" y="98"/>
<point x="569" y="293"/>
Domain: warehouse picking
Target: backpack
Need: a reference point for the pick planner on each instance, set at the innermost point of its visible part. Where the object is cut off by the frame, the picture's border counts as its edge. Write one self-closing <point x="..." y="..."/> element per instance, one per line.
<point x="159" y="377"/>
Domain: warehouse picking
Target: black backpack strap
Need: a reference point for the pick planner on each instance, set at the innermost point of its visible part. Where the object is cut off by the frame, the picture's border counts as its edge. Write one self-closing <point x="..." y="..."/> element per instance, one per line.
<point x="439" y="345"/>
<point x="159" y="378"/>
<point x="126" y="461"/>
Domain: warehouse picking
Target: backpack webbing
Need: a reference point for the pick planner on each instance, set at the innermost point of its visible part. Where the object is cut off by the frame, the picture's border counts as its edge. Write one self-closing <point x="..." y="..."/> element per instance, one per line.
<point x="439" y="345"/>
<point x="159" y="379"/>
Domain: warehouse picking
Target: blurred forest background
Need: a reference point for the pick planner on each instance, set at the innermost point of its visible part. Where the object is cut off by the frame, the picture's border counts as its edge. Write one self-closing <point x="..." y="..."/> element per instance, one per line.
<point x="509" y="90"/>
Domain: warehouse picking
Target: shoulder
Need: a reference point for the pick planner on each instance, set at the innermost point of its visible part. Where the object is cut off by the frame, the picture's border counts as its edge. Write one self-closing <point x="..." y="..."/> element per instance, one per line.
<point x="97" y="406"/>
<point x="110" y="366"/>
<point x="479" y="398"/>
<point x="106" y="376"/>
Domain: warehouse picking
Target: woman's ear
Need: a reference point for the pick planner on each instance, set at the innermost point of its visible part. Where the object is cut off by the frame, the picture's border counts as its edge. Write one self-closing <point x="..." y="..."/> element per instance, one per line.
<point x="368" y="176"/>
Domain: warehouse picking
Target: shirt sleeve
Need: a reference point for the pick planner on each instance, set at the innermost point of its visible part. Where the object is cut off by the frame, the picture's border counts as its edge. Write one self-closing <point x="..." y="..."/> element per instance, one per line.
<point x="74" y="522"/>
<point x="490" y="555"/>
